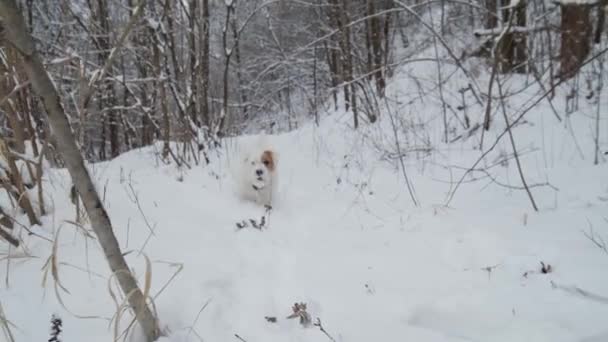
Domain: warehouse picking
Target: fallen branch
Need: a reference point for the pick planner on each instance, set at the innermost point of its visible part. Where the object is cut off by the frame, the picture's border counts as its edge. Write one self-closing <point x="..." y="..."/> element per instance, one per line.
<point x="5" y="324"/>
<point x="595" y="239"/>
<point x="255" y="224"/>
<point x="318" y="324"/>
<point x="299" y="311"/>
<point x="491" y="268"/>
<point x="575" y="290"/>
<point x="513" y="29"/>
<point x="240" y="338"/>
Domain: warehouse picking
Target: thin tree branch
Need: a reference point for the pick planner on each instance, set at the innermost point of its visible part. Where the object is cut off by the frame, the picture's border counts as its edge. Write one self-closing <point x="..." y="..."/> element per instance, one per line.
<point x="525" y="111"/>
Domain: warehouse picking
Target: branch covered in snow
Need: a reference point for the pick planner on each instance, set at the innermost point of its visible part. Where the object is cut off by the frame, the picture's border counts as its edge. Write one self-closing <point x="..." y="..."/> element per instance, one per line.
<point x="513" y="29"/>
<point x="577" y="2"/>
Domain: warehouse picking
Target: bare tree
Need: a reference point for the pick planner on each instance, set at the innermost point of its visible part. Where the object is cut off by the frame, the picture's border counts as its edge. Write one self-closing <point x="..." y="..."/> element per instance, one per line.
<point x="19" y="37"/>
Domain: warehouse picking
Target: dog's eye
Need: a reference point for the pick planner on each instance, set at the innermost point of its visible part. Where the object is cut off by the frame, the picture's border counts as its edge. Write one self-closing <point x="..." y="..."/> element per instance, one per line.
<point x="266" y="162"/>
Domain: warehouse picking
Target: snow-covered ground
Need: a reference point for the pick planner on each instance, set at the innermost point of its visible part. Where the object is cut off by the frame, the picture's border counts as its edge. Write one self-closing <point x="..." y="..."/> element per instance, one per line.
<point x="345" y="237"/>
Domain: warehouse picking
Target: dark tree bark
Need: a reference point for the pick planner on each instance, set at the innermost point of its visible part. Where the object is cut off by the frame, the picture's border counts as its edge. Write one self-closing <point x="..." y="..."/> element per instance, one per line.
<point x="205" y="65"/>
<point x="340" y="15"/>
<point x="332" y="63"/>
<point x="333" y="50"/>
<point x="376" y="43"/>
<point x="192" y="110"/>
<point x="141" y="40"/>
<point x="227" y="56"/>
<point x="512" y="48"/>
<point x="491" y="18"/>
<point x="237" y="56"/>
<point x="576" y="38"/>
<point x="13" y="109"/>
<point x="368" y="47"/>
<point x="107" y="100"/>
<point x="601" y="20"/>
<point x="163" y="109"/>
<point x="349" y="87"/>
<point x="388" y="19"/>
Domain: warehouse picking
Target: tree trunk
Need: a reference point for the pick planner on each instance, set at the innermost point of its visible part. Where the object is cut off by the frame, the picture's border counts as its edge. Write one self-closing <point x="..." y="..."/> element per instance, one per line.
<point x="8" y="84"/>
<point x="205" y="66"/>
<point x="140" y="40"/>
<point x="17" y="34"/>
<point x="113" y="124"/>
<point x="107" y="100"/>
<point x="162" y="94"/>
<point x="332" y="51"/>
<point x="350" y="94"/>
<point x="338" y="20"/>
<point x="491" y="14"/>
<point x="602" y="8"/>
<point x="315" y="95"/>
<point x="15" y="185"/>
<point x="368" y="47"/>
<point x="173" y="50"/>
<point x="332" y="63"/>
<point x="239" y="74"/>
<point x="575" y="41"/>
<point x="193" y="68"/>
<point x="227" y="56"/>
<point x="102" y="145"/>
<point x="388" y="18"/>
<point x="512" y="48"/>
<point x="376" y="42"/>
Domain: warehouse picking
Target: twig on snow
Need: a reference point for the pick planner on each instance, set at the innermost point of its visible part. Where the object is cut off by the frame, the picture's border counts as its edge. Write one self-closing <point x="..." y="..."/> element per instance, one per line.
<point x="197" y="317"/>
<point x="5" y="324"/>
<point x="299" y="310"/>
<point x="240" y="338"/>
<point x="263" y="223"/>
<point x="489" y="269"/>
<point x="318" y="324"/>
<point x="575" y="290"/>
<point x="595" y="239"/>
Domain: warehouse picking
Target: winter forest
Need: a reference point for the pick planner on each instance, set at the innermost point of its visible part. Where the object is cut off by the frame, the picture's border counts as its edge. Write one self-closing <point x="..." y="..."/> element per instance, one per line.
<point x="431" y="170"/>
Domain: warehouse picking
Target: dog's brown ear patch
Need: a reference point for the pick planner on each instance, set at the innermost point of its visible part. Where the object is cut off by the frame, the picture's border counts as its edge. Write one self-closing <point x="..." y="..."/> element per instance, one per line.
<point x="268" y="160"/>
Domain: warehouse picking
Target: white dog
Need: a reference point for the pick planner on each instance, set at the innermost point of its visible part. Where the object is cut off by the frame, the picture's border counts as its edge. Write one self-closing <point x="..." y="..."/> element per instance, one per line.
<point x="257" y="175"/>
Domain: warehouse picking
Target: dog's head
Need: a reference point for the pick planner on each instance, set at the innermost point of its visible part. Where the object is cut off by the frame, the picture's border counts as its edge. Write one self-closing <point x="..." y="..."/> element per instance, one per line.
<point x="260" y="166"/>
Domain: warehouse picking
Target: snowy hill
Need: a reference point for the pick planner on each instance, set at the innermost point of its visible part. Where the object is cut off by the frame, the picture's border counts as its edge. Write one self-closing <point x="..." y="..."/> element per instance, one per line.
<point x="345" y="238"/>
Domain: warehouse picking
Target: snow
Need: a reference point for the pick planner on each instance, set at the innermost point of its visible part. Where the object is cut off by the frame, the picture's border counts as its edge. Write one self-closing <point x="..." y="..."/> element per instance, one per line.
<point x="344" y="238"/>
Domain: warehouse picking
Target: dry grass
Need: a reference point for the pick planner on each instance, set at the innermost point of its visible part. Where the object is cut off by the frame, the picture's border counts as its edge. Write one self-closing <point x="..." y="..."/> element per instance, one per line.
<point x="5" y="324"/>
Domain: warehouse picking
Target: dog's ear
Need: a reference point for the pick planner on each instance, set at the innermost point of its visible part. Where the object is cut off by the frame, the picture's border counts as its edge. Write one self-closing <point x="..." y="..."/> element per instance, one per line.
<point x="270" y="158"/>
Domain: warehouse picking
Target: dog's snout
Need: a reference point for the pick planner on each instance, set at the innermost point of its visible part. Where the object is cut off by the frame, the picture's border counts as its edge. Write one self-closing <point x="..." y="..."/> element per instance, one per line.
<point x="259" y="172"/>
